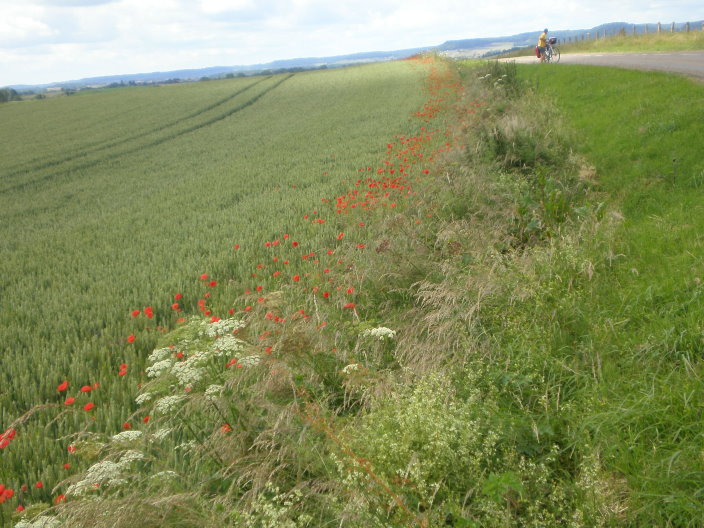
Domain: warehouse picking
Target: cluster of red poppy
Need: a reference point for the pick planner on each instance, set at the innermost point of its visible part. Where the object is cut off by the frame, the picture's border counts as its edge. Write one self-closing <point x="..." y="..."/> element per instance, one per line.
<point x="5" y="493"/>
<point x="7" y="437"/>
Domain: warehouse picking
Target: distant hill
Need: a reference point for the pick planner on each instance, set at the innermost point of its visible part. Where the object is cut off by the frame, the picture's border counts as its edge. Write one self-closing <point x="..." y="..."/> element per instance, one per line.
<point x="466" y="48"/>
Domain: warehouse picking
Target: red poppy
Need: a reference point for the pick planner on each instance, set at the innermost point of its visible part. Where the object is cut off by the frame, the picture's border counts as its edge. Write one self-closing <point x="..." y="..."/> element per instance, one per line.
<point x="20" y="508"/>
<point x="212" y="284"/>
<point x="86" y="388"/>
<point x="39" y="485"/>
<point x="67" y="466"/>
<point x="60" y="498"/>
<point x="236" y="246"/>
<point x="69" y="400"/>
<point x="339" y="237"/>
<point x="175" y="306"/>
<point x="71" y="449"/>
<point x="88" y="406"/>
<point x="131" y="338"/>
<point x="225" y="428"/>
<point x="146" y="419"/>
<point x="135" y="313"/>
<point x="296" y="278"/>
<point x="62" y="386"/>
<point x="350" y="306"/>
<point x="326" y="294"/>
<point x="126" y="426"/>
<point x="204" y="276"/>
<point x="294" y="244"/>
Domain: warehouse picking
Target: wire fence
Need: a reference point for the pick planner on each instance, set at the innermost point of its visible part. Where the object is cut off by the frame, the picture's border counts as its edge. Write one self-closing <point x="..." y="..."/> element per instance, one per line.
<point x="638" y="29"/>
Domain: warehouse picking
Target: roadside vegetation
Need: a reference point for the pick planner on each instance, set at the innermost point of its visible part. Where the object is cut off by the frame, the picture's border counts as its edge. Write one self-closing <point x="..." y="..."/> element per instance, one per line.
<point x="473" y="305"/>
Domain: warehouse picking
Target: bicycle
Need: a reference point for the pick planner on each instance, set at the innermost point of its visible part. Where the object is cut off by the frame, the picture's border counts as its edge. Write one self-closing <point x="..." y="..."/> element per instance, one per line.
<point x="552" y="53"/>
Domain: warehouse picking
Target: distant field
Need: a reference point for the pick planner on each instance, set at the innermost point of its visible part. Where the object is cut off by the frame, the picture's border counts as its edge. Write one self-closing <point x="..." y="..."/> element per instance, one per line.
<point x="115" y="200"/>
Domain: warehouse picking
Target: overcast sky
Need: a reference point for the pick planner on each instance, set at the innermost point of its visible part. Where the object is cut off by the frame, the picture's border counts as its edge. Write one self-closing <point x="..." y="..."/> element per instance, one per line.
<point x="43" y="41"/>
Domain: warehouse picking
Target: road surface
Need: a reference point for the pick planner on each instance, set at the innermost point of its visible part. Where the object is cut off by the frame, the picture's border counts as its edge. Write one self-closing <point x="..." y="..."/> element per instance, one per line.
<point x="688" y="63"/>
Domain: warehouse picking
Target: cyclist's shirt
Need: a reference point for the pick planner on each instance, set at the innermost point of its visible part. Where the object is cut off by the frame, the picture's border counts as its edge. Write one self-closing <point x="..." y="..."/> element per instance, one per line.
<point x="543" y="40"/>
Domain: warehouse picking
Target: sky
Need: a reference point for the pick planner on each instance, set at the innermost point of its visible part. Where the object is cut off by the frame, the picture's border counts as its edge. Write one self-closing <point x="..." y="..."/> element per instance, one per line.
<point x="43" y="41"/>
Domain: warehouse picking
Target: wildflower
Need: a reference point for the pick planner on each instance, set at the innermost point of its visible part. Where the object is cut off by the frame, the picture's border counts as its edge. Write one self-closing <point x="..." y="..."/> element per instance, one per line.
<point x="62" y="386"/>
<point x="20" y="508"/>
<point x="212" y="284"/>
<point x="294" y="244"/>
<point x="67" y="466"/>
<point x="71" y="449"/>
<point x="349" y="369"/>
<point x="127" y="436"/>
<point x="167" y="404"/>
<point x="349" y="306"/>
<point x="88" y="406"/>
<point x="296" y="278"/>
<point x="204" y="276"/>
<point x="225" y="428"/>
<point x="135" y="313"/>
<point x="146" y="419"/>
<point x="86" y="388"/>
<point x="381" y="333"/>
<point x="131" y="338"/>
<point x="39" y="485"/>
<point x="236" y="246"/>
<point x="339" y="237"/>
<point x="69" y="400"/>
<point x="177" y="297"/>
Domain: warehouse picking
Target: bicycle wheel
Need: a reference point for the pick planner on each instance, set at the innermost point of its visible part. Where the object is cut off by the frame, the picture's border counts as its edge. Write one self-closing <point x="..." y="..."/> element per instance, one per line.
<point x="555" y="55"/>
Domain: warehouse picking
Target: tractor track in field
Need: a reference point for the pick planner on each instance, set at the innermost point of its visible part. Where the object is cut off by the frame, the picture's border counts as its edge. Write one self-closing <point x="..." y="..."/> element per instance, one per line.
<point x="147" y="145"/>
<point x="88" y="149"/>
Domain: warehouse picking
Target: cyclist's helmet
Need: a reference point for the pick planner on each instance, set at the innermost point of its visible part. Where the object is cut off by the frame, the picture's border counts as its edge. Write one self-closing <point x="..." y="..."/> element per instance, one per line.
<point x="546" y="30"/>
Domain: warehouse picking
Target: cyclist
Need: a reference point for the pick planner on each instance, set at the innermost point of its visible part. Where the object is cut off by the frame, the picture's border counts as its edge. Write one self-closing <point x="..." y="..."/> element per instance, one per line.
<point x="542" y="45"/>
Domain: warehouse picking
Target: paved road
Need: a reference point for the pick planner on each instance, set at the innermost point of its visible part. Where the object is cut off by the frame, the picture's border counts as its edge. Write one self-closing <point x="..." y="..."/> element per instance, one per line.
<point x="689" y="63"/>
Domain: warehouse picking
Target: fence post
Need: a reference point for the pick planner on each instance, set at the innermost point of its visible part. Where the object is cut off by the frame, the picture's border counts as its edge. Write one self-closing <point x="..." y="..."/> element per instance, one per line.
<point x="686" y="27"/>
<point x="672" y="28"/>
<point x="659" y="28"/>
